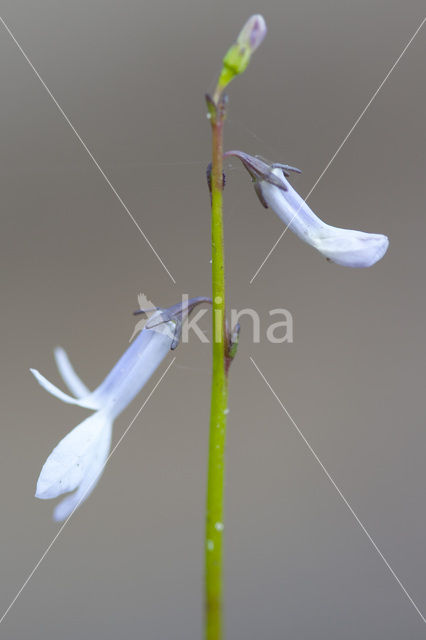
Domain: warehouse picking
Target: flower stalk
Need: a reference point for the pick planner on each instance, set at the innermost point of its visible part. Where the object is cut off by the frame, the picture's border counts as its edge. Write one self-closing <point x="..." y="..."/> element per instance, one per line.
<point x="225" y="342"/>
<point x="219" y="391"/>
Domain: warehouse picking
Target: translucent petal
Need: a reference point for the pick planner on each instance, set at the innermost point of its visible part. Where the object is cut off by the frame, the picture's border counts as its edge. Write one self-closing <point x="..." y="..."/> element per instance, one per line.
<point x="69" y="376"/>
<point x="346" y="247"/>
<point x="352" y="248"/>
<point x="88" y="483"/>
<point x="71" y="459"/>
<point x="88" y="403"/>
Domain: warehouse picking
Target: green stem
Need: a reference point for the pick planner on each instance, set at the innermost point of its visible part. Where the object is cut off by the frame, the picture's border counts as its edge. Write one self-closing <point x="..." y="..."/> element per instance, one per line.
<point x="219" y="399"/>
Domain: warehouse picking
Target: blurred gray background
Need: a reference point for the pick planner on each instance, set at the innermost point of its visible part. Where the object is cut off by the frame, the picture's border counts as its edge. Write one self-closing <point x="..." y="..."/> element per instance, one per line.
<point x="131" y="76"/>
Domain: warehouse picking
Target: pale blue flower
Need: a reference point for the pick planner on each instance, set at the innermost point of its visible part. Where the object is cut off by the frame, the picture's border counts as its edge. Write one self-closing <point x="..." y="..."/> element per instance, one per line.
<point x="77" y="462"/>
<point x="346" y="247"/>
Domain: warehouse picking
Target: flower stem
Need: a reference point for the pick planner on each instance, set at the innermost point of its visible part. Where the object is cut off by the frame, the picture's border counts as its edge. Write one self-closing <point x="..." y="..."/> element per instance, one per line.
<point x="219" y="395"/>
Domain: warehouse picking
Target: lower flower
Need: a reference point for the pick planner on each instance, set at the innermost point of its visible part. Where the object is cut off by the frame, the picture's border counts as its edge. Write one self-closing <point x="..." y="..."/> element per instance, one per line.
<point x="77" y="462"/>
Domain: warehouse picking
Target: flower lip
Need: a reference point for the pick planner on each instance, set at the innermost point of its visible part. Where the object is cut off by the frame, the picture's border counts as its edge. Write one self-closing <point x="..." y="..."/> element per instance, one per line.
<point x="350" y="248"/>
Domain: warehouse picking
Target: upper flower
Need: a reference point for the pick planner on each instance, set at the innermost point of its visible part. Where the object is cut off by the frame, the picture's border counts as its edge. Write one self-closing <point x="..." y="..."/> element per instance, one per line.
<point x="77" y="462"/>
<point x="343" y="246"/>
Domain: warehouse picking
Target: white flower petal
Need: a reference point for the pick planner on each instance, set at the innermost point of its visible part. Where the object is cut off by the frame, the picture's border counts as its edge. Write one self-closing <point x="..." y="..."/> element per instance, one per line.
<point x="88" y="483"/>
<point x="352" y="248"/>
<point x="343" y="246"/>
<point x="69" y="376"/>
<point x="88" y="403"/>
<point x="77" y="461"/>
<point x="70" y="460"/>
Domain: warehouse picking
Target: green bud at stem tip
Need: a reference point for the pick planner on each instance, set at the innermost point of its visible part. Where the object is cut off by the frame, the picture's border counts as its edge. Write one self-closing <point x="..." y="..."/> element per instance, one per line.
<point x="238" y="56"/>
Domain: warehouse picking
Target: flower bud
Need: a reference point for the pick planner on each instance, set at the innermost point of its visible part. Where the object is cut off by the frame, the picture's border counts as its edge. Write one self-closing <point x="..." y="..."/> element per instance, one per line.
<point x="238" y="56"/>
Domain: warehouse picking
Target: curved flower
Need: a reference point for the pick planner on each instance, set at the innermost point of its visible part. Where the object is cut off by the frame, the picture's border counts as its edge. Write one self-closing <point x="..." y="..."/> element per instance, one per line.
<point x="346" y="247"/>
<point x="78" y="461"/>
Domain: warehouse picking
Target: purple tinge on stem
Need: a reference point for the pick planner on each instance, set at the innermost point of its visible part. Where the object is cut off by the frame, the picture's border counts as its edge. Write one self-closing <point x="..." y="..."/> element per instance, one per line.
<point x="346" y="247"/>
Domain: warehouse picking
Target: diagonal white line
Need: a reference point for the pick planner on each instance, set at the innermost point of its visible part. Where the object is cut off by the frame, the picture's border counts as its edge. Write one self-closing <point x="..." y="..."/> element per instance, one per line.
<point x="90" y="154"/>
<point x="82" y="498"/>
<point x="330" y="478"/>
<point x="345" y="139"/>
